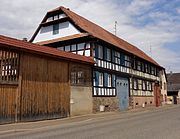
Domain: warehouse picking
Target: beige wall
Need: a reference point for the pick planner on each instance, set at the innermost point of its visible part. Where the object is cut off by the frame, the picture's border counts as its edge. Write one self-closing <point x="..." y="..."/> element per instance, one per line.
<point x="164" y="86"/>
<point x="81" y="100"/>
<point x="139" y="101"/>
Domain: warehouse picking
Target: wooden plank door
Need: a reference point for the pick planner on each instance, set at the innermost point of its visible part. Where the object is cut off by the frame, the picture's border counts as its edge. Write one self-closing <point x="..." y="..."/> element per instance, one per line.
<point x="8" y="104"/>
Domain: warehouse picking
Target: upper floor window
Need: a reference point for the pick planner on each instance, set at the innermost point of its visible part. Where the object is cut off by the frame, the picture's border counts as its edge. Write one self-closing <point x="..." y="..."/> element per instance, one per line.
<point x="100" y="51"/>
<point x="127" y="61"/>
<point x="139" y="65"/>
<point x="108" y="54"/>
<point x="55" y="29"/>
<point x="117" y="57"/>
<point x="100" y="79"/>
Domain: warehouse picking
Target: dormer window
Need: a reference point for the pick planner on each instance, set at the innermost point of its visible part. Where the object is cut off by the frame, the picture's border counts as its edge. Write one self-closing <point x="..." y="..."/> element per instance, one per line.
<point x="55" y="29"/>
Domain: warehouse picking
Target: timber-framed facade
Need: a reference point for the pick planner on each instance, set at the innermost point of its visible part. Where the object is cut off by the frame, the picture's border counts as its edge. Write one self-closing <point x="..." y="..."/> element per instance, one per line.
<point x="123" y="76"/>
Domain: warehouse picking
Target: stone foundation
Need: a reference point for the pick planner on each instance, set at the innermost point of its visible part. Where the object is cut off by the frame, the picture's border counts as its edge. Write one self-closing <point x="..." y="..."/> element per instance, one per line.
<point x="143" y="101"/>
<point x="110" y="103"/>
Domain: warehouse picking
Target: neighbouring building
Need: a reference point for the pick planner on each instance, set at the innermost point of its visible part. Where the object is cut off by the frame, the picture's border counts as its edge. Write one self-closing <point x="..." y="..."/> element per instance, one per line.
<point x="38" y="82"/>
<point x="173" y="88"/>
<point x="124" y="77"/>
<point x="163" y="84"/>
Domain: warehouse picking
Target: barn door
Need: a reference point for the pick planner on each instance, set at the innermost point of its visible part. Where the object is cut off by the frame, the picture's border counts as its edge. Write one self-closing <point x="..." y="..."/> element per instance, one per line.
<point x="8" y="104"/>
<point x="122" y="87"/>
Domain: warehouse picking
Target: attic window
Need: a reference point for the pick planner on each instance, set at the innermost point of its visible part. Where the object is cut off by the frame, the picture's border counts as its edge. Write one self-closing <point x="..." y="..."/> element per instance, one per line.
<point x="56" y="17"/>
<point x="50" y="19"/>
<point x="55" y="29"/>
<point x="62" y="16"/>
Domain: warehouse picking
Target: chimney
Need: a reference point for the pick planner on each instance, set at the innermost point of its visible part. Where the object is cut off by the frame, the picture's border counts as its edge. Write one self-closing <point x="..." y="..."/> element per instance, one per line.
<point x="24" y="39"/>
<point x="171" y="72"/>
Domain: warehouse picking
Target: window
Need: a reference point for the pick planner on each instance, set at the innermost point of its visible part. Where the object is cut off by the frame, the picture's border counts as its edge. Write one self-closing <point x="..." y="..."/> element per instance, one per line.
<point x="122" y="59"/>
<point x="138" y="65"/>
<point x="73" y="47"/>
<point x="80" y="75"/>
<point x="61" y="48"/>
<point x="9" y="66"/>
<point x="144" y="85"/>
<point x="81" y="46"/>
<point x="140" y="84"/>
<point x="135" y="84"/>
<point x="55" y="29"/>
<point x="142" y="67"/>
<point x="56" y="17"/>
<point x="108" y="54"/>
<point x="100" y="51"/>
<point x="146" y="68"/>
<point x="109" y="80"/>
<point x="100" y="79"/>
<point x="67" y="48"/>
<point x="165" y="86"/>
<point x="149" y="86"/>
<point x="127" y="61"/>
<point x="117" y="58"/>
<point x="50" y="19"/>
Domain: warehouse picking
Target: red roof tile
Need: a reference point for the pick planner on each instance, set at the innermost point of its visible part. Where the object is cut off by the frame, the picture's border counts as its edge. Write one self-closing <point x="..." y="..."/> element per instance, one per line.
<point x="30" y="47"/>
<point x="104" y="35"/>
<point x="80" y="35"/>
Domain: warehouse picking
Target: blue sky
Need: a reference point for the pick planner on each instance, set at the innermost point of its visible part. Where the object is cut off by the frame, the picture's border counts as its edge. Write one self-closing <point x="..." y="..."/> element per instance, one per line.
<point x="144" y="23"/>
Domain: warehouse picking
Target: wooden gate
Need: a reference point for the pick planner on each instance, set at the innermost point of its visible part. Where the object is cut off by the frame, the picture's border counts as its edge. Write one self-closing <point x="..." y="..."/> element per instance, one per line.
<point x="8" y="105"/>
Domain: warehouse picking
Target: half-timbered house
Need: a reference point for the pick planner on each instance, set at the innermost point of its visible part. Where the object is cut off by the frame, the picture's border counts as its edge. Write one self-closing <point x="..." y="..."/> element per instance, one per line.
<point x="41" y="82"/>
<point x="123" y="75"/>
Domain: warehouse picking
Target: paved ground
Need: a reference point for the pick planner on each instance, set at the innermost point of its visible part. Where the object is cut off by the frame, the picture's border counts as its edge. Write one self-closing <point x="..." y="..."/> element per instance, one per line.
<point x="163" y="123"/>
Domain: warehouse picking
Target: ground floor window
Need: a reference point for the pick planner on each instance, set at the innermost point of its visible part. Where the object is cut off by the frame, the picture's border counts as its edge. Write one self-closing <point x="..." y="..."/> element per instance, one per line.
<point x="80" y="75"/>
<point x="104" y="84"/>
<point x="9" y="66"/>
<point x="140" y="87"/>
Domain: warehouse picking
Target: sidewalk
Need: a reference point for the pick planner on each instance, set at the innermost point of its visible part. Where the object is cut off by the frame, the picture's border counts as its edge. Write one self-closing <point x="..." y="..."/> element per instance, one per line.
<point x="20" y="127"/>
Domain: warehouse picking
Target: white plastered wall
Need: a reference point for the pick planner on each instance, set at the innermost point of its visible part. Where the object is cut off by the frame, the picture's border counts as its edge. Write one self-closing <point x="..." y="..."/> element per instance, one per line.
<point x="46" y="33"/>
<point x="164" y="85"/>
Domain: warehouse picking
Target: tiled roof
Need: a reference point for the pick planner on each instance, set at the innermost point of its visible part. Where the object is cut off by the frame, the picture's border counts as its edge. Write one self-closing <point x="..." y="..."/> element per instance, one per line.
<point x="173" y="81"/>
<point x="80" y="35"/>
<point x="35" y="48"/>
<point x="102" y="34"/>
<point x="173" y="77"/>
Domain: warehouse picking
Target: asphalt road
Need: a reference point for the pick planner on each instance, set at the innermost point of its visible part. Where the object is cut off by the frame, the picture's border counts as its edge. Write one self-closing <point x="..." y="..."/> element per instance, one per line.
<point x="151" y="124"/>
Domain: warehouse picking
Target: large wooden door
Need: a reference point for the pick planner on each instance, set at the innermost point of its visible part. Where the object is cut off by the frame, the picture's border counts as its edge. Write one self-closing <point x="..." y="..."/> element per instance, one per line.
<point x="157" y="93"/>
<point x="8" y="104"/>
<point x="122" y="88"/>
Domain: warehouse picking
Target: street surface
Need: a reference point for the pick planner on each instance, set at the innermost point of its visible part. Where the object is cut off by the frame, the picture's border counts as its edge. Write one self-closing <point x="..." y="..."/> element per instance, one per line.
<point x="149" y="124"/>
